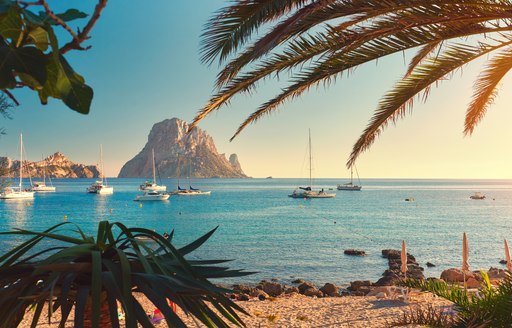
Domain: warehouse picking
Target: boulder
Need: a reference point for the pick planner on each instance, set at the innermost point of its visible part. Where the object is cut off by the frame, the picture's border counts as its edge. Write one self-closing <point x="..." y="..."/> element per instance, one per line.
<point x="495" y="273"/>
<point x="388" y="281"/>
<point x="503" y="262"/>
<point x="244" y="289"/>
<point x="430" y="265"/>
<point x="456" y="275"/>
<point x="272" y="288"/>
<point x="330" y="289"/>
<point x="298" y="281"/>
<point x="291" y="290"/>
<point x="356" y="285"/>
<point x="396" y="254"/>
<point x="306" y="285"/>
<point x="472" y="283"/>
<point x="354" y="252"/>
<point x="313" y="292"/>
<point x="261" y="295"/>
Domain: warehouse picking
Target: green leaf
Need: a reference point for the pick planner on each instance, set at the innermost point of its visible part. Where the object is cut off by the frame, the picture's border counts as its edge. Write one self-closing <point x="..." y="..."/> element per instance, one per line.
<point x="64" y="83"/>
<point x="39" y="37"/>
<point x="27" y="60"/>
<point x="11" y="25"/>
<point x="72" y="14"/>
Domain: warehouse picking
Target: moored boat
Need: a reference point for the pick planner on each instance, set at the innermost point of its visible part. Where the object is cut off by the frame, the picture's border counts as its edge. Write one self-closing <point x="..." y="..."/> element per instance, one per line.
<point x="477" y="195"/>
<point x="152" y="196"/>
<point x="350" y="186"/>
<point x="152" y="185"/>
<point x="18" y="192"/>
<point x="101" y="187"/>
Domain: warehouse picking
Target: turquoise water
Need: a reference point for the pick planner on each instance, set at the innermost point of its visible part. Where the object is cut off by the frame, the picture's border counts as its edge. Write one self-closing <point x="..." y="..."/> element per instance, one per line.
<point x="264" y="230"/>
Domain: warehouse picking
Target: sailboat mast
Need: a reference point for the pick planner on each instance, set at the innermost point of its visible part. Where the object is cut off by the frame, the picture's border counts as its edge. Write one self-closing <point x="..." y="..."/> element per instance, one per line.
<point x="351" y="174"/>
<point x="103" y="178"/>
<point x="310" y="161"/>
<point x="154" y="169"/>
<point x="21" y="158"/>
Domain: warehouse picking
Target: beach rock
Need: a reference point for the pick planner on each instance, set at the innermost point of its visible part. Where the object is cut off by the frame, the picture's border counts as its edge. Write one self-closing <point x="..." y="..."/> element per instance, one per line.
<point x="356" y="285"/>
<point x="245" y="289"/>
<point x="395" y="254"/>
<point x="430" y="265"/>
<point x="456" y="275"/>
<point x="330" y="289"/>
<point x="195" y="151"/>
<point x="298" y="281"/>
<point x="274" y="279"/>
<point x="261" y="295"/>
<point x="313" y="292"/>
<point x="472" y="283"/>
<point x="388" y="281"/>
<point x="272" y="288"/>
<point x="354" y="252"/>
<point x="306" y="285"/>
<point x="495" y="273"/>
<point x="291" y="290"/>
<point x="503" y="262"/>
<point x="242" y="297"/>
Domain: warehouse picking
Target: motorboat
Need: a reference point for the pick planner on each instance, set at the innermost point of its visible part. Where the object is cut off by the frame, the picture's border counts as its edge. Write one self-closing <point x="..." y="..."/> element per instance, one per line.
<point x="152" y="185"/>
<point x="190" y="192"/>
<point x="152" y="196"/>
<point x="101" y="187"/>
<point x="477" y="195"/>
<point x="18" y="192"/>
<point x="308" y="192"/>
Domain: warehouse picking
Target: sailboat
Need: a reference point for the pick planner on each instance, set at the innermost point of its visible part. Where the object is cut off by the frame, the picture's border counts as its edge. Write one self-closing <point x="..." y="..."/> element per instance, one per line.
<point x="190" y="191"/>
<point x="350" y="185"/>
<point x="41" y="186"/>
<point x="101" y="186"/>
<point x="18" y="192"/>
<point x="152" y="185"/>
<point x="307" y="192"/>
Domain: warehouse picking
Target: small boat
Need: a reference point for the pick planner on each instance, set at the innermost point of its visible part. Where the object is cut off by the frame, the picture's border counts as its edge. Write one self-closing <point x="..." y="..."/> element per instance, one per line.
<point x="477" y="195"/>
<point x="39" y="186"/>
<point x="152" y="196"/>
<point x="308" y="192"/>
<point x="152" y="185"/>
<point x="18" y="192"/>
<point x="100" y="186"/>
<point x="410" y="199"/>
<point x="350" y="185"/>
<point x="190" y="192"/>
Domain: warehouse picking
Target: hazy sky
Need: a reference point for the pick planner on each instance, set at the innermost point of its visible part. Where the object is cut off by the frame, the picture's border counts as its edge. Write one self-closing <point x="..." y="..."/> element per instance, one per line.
<point x="144" y="67"/>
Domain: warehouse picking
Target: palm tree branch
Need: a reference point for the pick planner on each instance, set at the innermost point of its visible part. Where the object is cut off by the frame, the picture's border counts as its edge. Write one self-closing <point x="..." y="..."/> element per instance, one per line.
<point x="394" y="103"/>
<point x="486" y="87"/>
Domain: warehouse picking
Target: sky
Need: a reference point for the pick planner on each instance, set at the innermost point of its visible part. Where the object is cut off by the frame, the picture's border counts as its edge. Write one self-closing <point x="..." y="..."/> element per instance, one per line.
<point x="144" y="67"/>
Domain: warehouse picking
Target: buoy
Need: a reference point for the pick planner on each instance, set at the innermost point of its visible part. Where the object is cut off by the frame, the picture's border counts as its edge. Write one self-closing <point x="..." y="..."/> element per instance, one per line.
<point x="110" y="210"/>
<point x="140" y="205"/>
<point x="65" y="217"/>
<point x="300" y="205"/>
<point x="334" y="222"/>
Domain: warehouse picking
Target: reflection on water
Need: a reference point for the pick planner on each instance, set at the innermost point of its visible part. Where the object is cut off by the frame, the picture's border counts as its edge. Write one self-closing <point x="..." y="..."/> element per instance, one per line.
<point x="17" y="212"/>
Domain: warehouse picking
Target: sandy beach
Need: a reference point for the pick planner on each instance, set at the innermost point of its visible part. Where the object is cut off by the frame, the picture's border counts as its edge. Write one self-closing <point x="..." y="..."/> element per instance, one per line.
<point x="301" y="311"/>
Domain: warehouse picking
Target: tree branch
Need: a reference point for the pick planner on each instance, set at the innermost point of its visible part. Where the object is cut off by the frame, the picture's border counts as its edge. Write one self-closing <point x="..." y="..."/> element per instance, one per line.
<point x="59" y="21"/>
<point x="84" y="34"/>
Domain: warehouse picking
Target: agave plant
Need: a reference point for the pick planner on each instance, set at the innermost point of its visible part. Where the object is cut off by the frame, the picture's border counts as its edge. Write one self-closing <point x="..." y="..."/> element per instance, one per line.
<point x="489" y="307"/>
<point x="55" y="270"/>
<point x="315" y="42"/>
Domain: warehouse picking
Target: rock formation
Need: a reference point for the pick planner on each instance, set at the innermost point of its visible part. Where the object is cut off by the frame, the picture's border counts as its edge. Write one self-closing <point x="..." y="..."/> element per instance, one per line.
<point x="180" y="155"/>
<point x="56" y="166"/>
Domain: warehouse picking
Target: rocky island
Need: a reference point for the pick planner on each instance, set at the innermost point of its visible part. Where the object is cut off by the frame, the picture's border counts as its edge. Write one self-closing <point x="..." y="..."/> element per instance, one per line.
<point x="54" y="166"/>
<point x="178" y="154"/>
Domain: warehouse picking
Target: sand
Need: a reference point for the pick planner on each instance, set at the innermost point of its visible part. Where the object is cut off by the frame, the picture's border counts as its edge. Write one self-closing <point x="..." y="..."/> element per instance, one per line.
<point x="301" y="311"/>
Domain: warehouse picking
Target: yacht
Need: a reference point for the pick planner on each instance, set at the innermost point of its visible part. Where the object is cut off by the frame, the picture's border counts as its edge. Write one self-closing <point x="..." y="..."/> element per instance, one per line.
<point x="152" y="195"/>
<point x="152" y="185"/>
<point x="101" y="186"/>
<point x="18" y="192"/>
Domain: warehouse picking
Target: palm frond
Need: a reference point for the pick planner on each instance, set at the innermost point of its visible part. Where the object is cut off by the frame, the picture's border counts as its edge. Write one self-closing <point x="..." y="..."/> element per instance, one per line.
<point x="486" y="88"/>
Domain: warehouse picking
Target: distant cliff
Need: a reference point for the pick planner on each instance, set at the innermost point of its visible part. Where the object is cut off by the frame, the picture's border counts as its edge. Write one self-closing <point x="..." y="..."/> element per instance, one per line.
<point x="178" y="154"/>
<point x="56" y="166"/>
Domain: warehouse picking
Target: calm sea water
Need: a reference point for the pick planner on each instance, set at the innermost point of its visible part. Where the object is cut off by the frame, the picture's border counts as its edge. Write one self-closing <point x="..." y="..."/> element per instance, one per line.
<point x="264" y="230"/>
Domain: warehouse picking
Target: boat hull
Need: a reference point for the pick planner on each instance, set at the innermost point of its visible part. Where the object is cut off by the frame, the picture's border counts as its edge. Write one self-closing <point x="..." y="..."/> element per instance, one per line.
<point x="311" y="194"/>
<point x="43" y="189"/>
<point x="17" y="195"/>
<point x="144" y="198"/>
<point x="154" y="187"/>
<point x="349" y="188"/>
<point x="191" y="193"/>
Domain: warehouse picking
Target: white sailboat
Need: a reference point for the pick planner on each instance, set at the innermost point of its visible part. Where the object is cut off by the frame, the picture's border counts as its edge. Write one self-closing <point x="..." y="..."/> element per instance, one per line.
<point x="101" y="186"/>
<point x="350" y="185"/>
<point x="307" y="192"/>
<point x="18" y="192"/>
<point x="190" y="191"/>
<point x="152" y="185"/>
<point x="40" y="186"/>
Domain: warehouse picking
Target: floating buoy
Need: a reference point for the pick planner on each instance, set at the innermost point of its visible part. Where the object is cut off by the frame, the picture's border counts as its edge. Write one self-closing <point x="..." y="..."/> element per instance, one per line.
<point x="110" y="210"/>
<point x="65" y="217"/>
<point x="300" y="205"/>
<point x="140" y="205"/>
<point x="334" y="222"/>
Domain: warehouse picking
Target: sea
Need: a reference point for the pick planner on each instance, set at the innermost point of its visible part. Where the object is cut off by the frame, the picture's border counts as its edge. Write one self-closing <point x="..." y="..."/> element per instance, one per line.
<point x="262" y="230"/>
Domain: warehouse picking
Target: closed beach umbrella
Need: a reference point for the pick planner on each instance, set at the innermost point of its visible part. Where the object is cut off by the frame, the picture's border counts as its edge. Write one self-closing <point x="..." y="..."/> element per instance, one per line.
<point x="507" y="256"/>
<point x="403" y="258"/>
<point x="465" y="253"/>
